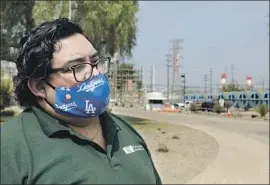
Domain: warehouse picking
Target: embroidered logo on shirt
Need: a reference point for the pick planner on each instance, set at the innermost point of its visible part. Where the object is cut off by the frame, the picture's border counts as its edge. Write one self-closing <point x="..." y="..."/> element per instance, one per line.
<point x="132" y="148"/>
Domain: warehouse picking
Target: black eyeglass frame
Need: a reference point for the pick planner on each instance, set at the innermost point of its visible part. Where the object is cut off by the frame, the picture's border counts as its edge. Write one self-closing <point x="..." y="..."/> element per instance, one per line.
<point x="72" y="68"/>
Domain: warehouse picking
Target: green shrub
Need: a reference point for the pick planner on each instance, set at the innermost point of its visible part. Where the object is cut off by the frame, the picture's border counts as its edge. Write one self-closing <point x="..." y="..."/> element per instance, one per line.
<point x="218" y="109"/>
<point x="6" y="89"/>
<point x="262" y="109"/>
<point x="193" y="107"/>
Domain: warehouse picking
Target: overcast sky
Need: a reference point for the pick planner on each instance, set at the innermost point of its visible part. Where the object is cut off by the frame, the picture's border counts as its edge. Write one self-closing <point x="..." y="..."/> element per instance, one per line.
<point x="216" y="35"/>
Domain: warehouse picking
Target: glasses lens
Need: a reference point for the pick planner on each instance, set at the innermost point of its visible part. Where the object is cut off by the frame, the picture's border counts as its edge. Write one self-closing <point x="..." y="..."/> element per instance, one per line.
<point x="82" y="72"/>
<point x="103" y="65"/>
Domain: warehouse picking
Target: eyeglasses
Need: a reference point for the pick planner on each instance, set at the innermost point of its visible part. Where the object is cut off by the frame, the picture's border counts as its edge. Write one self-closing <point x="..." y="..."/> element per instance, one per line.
<point x="83" y="71"/>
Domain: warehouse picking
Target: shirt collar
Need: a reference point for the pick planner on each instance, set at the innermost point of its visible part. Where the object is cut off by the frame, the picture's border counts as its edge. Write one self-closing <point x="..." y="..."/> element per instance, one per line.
<point x="51" y="125"/>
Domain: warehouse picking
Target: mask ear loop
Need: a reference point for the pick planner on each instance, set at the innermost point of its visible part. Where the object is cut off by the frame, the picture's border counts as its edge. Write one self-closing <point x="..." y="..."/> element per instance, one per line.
<point x="49" y="84"/>
<point x="46" y="98"/>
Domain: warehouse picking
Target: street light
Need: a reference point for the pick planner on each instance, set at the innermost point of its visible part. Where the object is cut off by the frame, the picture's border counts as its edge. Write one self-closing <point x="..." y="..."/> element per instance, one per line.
<point x="184" y="81"/>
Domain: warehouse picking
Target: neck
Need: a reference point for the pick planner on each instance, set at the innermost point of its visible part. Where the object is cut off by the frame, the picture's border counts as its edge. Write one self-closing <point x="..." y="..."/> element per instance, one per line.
<point x="84" y="123"/>
<point x="90" y="130"/>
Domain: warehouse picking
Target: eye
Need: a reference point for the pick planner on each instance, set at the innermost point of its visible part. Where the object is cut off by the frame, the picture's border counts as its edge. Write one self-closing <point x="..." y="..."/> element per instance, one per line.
<point x="67" y="70"/>
<point x="80" y="68"/>
<point x="94" y="59"/>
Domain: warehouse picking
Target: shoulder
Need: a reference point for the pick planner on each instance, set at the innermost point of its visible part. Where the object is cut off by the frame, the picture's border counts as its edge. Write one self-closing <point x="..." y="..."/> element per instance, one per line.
<point x="13" y="136"/>
<point x="126" y="125"/>
<point x="14" y="150"/>
<point x="13" y="128"/>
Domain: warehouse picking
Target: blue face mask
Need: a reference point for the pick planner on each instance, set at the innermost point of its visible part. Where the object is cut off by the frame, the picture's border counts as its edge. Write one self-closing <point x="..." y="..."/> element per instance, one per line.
<point x="88" y="99"/>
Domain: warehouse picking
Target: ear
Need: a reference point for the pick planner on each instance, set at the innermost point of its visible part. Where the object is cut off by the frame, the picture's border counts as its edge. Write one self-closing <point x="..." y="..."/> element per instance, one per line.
<point x="37" y="87"/>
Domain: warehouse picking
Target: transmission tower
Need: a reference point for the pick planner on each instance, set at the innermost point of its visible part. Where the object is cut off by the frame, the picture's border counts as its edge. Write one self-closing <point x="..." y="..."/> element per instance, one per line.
<point x="168" y="65"/>
<point x="175" y="60"/>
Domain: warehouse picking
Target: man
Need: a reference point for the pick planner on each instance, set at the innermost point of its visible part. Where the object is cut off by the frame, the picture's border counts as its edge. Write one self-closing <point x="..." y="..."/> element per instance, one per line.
<point x="65" y="135"/>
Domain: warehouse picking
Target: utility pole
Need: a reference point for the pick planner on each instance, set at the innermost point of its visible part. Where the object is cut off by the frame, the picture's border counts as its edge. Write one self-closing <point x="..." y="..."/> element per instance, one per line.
<point x="205" y="83"/>
<point x="153" y="78"/>
<point x="184" y="82"/>
<point x="168" y="60"/>
<point x="176" y="59"/>
<point x="232" y="70"/>
<point x="211" y="80"/>
<point x="263" y="87"/>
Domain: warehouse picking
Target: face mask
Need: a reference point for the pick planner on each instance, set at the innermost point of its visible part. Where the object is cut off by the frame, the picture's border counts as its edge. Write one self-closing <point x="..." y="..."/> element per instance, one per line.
<point x="88" y="99"/>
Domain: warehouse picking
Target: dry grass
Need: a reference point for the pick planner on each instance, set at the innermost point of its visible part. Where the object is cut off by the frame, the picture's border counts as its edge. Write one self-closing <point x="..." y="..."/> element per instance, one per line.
<point x="175" y="137"/>
<point x="162" y="148"/>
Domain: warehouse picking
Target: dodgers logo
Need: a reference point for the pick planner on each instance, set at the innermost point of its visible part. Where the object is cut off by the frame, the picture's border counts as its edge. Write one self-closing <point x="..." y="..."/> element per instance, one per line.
<point x="89" y="108"/>
<point x="91" y="86"/>
<point x="66" y="106"/>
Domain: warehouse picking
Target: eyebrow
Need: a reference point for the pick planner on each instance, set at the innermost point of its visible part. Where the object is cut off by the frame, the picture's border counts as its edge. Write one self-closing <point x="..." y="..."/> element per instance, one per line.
<point x="80" y="59"/>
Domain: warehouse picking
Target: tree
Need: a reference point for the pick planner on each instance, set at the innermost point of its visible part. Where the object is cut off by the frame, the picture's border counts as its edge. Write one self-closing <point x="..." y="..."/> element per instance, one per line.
<point x="49" y="10"/>
<point x="16" y="22"/>
<point x="231" y="87"/>
<point x="114" y="22"/>
<point x="111" y="21"/>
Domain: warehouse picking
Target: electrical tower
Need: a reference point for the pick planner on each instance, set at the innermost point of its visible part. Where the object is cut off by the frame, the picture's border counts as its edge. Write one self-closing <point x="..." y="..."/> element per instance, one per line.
<point x="175" y="60"/>
<point x="168" y="65"/>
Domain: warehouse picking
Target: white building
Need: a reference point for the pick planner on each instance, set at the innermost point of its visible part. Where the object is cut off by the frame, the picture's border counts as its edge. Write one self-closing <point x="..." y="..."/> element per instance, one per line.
<point x="154" y="101"/>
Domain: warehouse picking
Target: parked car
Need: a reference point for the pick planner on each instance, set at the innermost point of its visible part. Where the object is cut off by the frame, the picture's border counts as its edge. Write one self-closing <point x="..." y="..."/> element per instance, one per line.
<point x="207" y="106"/>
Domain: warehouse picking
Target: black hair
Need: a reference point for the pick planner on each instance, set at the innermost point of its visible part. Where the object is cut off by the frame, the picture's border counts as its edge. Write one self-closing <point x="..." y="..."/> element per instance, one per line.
<point x="36" y="53"/>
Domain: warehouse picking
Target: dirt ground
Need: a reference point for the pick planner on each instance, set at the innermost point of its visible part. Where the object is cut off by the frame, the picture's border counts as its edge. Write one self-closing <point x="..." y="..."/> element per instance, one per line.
<point x="189" y="150"/>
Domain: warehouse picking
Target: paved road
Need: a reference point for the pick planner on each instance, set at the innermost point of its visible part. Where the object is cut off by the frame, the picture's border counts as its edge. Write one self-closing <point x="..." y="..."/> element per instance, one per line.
<point x="243" y="145"/>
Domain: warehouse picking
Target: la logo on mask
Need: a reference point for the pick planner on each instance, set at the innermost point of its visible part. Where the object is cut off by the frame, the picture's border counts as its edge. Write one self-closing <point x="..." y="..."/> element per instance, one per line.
<point x="89" y="107"/>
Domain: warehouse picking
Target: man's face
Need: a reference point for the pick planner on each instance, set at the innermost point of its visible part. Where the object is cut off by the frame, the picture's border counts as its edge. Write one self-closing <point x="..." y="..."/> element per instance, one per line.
<point x="74" y="50"/>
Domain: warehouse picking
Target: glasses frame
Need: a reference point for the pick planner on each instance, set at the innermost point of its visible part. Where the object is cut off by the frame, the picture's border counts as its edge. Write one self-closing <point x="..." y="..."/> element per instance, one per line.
<point x="72" y="68"/>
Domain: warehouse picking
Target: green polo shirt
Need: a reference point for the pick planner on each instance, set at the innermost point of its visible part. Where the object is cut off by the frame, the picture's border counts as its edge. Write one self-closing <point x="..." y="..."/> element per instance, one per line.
<point x="38" y="149"/>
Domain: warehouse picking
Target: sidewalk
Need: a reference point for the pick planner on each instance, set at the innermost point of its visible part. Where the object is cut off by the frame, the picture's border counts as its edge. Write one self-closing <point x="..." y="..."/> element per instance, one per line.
<point x="237" y="162"/>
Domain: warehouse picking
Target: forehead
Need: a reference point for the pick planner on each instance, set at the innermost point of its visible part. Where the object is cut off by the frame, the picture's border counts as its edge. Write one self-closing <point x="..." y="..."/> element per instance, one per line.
<point x="71" y="47"/>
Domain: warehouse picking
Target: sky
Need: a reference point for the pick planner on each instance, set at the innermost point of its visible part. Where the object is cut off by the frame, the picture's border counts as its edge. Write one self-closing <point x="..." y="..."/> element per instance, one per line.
<point x="216" y="35"/>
